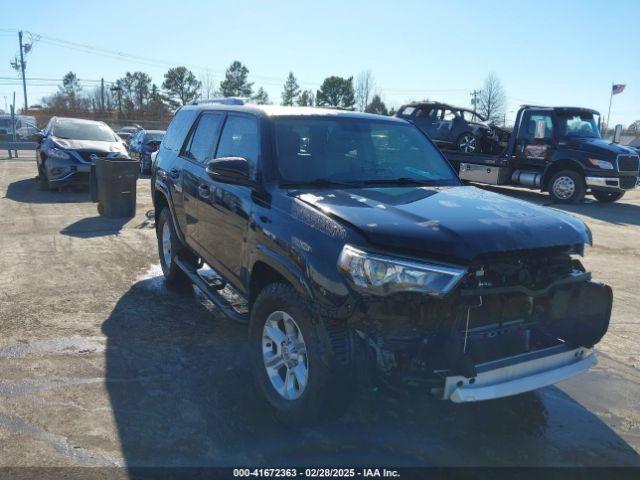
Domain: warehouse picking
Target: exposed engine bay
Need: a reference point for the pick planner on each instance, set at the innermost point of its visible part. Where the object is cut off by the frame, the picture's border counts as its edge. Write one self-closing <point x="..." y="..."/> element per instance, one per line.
<point x="507" y="305"/>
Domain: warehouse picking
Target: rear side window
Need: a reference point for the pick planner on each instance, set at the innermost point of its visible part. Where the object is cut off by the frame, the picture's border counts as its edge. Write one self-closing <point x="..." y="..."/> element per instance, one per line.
<point x="178" y="129"/>
<point x="203" y="139"/>
<point x="240" y="138"/>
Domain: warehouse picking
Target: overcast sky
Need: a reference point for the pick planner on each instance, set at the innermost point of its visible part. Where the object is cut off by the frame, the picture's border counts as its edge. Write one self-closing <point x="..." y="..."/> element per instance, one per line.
<point x="544" y="52"/>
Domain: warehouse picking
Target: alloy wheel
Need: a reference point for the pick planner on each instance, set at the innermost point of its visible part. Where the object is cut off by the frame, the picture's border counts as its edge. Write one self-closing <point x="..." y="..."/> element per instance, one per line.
<point x="467" y="143"/>
<point x="284" y="353"/>
<point x="564" y="187"/>
<point x="166" y="244"/>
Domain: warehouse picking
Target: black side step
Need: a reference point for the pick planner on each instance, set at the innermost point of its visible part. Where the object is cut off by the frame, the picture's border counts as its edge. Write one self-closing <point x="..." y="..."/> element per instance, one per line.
<point x="211" y="294"/>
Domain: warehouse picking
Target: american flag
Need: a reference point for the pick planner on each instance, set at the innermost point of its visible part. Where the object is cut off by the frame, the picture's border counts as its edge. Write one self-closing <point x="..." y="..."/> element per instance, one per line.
<point x="616" y="89"/>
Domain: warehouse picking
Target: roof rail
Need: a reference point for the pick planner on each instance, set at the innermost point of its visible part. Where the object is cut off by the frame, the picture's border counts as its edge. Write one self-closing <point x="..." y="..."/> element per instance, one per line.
<point x="221" y="100"/>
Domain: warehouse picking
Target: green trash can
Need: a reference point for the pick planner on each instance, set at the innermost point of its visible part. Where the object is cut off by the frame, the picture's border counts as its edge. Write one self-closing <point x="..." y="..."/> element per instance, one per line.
<point x="113" y="186"/>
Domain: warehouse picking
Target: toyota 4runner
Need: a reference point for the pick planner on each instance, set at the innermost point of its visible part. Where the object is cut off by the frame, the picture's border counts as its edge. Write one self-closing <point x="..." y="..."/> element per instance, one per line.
<point x="350" y="247"/>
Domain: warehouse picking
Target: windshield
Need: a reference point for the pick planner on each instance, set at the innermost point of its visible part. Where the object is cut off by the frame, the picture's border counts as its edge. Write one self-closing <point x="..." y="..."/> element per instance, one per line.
<point x="69" y="129"/>
<point x="356" y="151"/>
<point x="153" y="137"/>
<point x="5" y="122"/>
<point x="577" y="125"/>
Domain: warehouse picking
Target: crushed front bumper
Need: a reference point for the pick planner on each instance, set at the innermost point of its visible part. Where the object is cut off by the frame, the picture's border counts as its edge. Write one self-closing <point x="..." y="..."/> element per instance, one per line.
<point x="519" y="374"/>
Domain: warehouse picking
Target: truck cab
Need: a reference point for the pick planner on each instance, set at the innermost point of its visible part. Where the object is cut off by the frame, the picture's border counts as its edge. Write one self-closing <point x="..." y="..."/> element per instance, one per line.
<point x="558" y="150"/>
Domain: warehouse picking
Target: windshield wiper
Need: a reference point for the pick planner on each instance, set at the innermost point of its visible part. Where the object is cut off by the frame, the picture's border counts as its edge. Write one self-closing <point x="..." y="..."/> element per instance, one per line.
<point x="320" y="182"/>
<point x="400" y="181"/>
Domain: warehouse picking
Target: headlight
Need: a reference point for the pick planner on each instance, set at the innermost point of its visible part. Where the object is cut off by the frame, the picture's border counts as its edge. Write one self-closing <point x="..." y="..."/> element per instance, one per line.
<point x="384" y="275"/>
<point x="601" y="163"/>
<point x="58" y="154"/>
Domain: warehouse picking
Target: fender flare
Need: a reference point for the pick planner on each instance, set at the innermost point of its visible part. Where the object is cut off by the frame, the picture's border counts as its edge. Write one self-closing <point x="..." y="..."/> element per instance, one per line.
<point x="551" y="168"/>
<point x="284" y="266"/>
<point x="164" y="191"/>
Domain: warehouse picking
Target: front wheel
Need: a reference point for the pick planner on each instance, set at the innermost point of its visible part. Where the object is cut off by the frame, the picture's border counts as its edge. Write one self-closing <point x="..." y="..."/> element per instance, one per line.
<point x="299" y="379"/>
<point x="567" y="186"/>
<point x="607" y="197"/>
<point x="467" y="143"/>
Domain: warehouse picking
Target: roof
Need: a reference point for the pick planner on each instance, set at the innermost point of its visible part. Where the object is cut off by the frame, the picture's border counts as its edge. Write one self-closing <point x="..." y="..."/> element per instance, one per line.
<point x="154" y="131"/>
<point x="431" y="102"/>
<point x="79" y="120"/>
<point x="568" y="109"/>
<point x="282" y="111"/>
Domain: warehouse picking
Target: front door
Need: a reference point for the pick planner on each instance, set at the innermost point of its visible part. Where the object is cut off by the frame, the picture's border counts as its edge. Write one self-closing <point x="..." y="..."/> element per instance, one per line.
<point x="531" y="152"/>
<point x="226" y="211"/>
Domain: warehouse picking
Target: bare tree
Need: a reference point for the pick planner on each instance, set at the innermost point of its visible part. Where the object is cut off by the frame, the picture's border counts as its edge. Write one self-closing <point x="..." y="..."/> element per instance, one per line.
<point x="208" y="89"/>
<point x="492" y="100"/>
<point x="364" y="88"/>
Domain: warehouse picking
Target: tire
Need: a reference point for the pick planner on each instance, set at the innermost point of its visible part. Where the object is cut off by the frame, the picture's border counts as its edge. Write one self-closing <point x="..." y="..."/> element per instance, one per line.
<point x="320" y="387"/>
<point x="567" y="186"/>
<point x="43" y="181"/>
<point x="169" y="246"/>
<point x="467" y="143"/>
<point x="607" y="197"/>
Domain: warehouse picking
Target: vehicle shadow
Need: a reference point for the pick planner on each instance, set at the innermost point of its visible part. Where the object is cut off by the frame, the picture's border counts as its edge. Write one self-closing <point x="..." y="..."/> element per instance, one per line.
<point x="619" y="213"/>
<point x="95" y="227"/>
<point x="28" y="191"/>
<point x="182" y="395"/>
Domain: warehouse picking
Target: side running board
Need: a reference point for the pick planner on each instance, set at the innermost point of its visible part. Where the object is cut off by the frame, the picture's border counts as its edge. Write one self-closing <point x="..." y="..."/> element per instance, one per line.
<point x="211" y="292"/>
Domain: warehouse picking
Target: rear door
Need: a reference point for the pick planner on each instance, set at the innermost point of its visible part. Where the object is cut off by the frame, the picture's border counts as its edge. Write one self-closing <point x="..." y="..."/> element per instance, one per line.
<point x="426" y="119"/>
<point x="227" y="207"/>
<point x="196" y="152"/>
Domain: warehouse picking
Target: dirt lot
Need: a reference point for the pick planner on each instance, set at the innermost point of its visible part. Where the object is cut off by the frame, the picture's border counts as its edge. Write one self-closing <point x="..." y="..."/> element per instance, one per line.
<point x="100" y="365"/>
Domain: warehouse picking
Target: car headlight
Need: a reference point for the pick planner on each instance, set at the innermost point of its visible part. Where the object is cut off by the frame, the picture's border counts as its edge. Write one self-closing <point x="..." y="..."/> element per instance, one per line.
<point x="601" y="163"/>
<point x="384" y="275"/>
<point x="58" y="154"/>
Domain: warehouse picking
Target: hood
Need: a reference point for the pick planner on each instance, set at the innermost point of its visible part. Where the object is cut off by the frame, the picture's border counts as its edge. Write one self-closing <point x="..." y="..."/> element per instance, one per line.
<point x="455" y="223"/>
<point x="107" y="147"/>
<point x="597" y="147"/>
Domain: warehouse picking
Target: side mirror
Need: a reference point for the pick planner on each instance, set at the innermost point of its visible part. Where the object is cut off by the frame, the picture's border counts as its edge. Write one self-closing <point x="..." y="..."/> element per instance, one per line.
<point x="38" y="137"/>
<point x="229" y="170"/>
<point x="541" y="128"/>
<point x="617" y="134"/>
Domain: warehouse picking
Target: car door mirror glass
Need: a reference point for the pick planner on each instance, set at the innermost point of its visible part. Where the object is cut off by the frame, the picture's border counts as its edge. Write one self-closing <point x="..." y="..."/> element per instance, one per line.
<point x="229" y="169"/>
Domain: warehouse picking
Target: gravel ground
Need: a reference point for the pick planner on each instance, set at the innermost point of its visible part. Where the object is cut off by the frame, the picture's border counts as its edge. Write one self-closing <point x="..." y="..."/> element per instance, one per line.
<point x="101" y="365"/>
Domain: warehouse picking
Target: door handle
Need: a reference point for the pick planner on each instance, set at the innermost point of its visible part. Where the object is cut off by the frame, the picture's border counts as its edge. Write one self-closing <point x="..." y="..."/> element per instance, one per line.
<point x="203" y="191"/>
<point x="175" y="173"/>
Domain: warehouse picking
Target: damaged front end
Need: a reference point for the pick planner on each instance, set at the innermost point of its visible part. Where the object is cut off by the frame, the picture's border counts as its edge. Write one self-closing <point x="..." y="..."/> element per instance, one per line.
<point x="513" y="322"/>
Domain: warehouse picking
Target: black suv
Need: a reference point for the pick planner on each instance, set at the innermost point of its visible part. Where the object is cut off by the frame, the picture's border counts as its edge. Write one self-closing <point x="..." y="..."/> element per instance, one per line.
<point x="454" y="127"/>
<point x="351" y="248"/>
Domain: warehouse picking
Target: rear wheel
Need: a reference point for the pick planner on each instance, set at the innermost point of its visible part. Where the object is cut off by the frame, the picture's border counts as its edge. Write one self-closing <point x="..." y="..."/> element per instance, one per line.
<point x="299" y="379"/>
<point x="467" y="143"/>
<point x="567" y="186"/>
<point x="169" y="246"/>
<point x="607" y="197"/>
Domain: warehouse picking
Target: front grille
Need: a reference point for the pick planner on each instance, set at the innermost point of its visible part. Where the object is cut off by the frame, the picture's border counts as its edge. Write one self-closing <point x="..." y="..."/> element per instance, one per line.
<point x="87" y="154"/>
<point x="628" y="182"/>
<point x="628" y="163"/>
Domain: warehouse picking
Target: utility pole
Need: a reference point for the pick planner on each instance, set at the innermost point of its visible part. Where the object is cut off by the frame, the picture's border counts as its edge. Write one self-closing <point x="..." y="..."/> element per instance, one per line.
<point x="24" y="80"/>
<point x="474" y="101"/>
<point x="102" y="95"/>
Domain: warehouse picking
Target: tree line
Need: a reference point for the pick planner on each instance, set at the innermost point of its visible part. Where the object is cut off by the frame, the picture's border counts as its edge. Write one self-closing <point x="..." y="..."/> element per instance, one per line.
<point x="136" y="96"/>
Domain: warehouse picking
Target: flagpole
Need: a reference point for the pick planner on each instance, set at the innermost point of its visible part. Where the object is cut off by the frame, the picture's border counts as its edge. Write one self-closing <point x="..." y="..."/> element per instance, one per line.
<point x="609" y="114"/>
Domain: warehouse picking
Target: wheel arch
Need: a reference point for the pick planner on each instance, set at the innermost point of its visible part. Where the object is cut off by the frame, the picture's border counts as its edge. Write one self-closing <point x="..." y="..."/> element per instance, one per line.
<point x="557" y="166"/>
<point x="161" y="200"/>
<point x="270" y="267"/>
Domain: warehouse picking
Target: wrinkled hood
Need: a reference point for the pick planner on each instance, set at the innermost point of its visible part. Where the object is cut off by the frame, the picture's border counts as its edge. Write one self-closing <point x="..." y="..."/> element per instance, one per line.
<point x="457" y="223"/>
<point x="93" y="145"/>
<point x="598" y="147"/>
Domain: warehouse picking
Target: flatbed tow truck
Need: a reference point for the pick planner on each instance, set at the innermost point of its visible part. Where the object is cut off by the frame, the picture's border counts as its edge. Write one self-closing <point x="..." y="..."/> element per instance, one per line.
<point x="558" y="150"/>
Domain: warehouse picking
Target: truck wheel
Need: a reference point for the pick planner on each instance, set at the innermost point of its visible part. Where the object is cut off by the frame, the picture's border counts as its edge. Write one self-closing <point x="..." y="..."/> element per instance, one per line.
<point x="289" y="359"/>
<point x="607" y="197"/>
<point x="43" y="181"/>
<point x="567" y="186"/>
<point x="169" y="246"/>
<point x="467" y="143"/>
